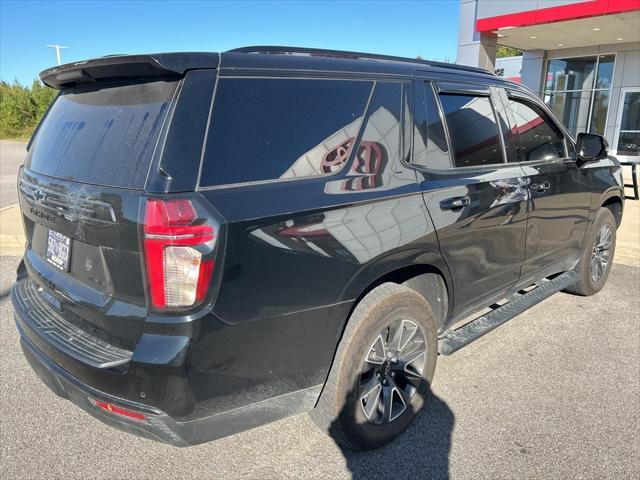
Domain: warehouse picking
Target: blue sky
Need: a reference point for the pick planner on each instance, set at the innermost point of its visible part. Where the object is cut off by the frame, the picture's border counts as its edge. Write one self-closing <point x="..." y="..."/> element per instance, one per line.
<point x="95" y="28"/>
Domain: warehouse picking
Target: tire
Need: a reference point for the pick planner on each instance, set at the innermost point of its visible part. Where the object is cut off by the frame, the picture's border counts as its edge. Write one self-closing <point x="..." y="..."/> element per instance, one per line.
<point x="593" y="276"/>
<point x="362" y="421"/>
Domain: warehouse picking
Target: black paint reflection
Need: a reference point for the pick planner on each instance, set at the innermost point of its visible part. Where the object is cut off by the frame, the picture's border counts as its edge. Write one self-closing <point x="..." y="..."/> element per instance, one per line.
<point x="359" y="233"/>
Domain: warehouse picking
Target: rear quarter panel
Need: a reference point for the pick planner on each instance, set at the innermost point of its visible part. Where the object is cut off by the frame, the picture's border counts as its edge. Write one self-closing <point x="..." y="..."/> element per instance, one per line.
<point x="298" y="254"/>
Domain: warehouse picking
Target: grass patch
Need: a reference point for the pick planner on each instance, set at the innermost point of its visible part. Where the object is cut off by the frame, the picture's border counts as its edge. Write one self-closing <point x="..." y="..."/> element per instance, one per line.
<point x="17" y="137"/>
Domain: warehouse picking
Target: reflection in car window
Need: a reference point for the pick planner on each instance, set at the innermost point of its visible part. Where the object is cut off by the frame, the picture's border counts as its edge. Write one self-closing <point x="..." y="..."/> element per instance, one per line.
<point x="376" y="163"/>
<point x="502" y="114"/>
<point x="383" y="123"/>
<point x="537" y="138"/>
<point x="430" y="141"/>
<point x="265" y="129"/>
<point x="472" y="129"/>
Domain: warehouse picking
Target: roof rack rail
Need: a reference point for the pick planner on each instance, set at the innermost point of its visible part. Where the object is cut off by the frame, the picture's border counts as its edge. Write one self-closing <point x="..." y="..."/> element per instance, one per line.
<point x="270" y="49"/>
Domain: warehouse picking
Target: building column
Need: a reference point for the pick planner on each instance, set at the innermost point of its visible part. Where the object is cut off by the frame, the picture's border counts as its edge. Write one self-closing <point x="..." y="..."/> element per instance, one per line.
<point x="532" y="72"/>
<point x="479" y="54"/>
<point x="474" y="49"/>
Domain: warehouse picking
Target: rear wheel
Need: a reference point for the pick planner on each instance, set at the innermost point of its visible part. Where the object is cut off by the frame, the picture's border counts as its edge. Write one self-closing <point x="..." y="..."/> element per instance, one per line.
<point x="594" y="266"/>
<point x="382" y="371"/>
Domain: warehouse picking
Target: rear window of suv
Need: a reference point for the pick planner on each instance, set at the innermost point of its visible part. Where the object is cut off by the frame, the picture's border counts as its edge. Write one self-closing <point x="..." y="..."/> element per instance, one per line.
<point x="102" y="135"/>
<point x="268" y="129"/>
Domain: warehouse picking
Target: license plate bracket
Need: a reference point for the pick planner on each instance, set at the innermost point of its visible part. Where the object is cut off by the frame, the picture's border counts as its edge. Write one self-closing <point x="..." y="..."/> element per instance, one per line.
<point x="58" y="250"/>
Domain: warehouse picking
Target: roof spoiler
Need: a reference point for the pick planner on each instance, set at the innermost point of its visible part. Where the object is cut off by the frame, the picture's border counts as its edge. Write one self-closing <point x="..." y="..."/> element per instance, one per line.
<point x="126" y="66"/>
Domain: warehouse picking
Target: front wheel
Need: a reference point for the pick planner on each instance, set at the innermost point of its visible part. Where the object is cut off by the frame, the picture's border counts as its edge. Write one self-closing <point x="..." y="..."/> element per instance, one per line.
<point x="382" y="371"/>
<point x="595" y="264"/>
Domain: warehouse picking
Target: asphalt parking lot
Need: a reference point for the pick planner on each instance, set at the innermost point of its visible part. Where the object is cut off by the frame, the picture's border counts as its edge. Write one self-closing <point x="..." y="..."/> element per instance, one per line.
<point x="554" y="393"/>
<point x="11" y="157"/>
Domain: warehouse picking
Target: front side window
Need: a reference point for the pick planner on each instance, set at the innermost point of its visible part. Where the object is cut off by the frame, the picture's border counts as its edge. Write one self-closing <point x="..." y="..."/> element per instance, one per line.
<point x="268" y="129"/>
<point x="537" y="138"/>
<point x="577" y="90"/>
<point x="472" y="129"/>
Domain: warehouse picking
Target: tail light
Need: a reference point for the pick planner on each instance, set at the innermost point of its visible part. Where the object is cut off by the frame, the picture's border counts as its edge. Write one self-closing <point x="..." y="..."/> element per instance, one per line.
<point x="178" y="248"/>
<point x="115" y="410"/>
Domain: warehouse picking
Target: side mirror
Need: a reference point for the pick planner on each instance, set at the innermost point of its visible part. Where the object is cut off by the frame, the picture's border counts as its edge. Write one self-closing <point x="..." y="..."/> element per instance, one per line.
<point x="591" y="147"/>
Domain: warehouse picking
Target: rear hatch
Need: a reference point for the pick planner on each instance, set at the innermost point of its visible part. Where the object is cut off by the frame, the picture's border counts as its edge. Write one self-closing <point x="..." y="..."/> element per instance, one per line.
<point x="97" y="158"/>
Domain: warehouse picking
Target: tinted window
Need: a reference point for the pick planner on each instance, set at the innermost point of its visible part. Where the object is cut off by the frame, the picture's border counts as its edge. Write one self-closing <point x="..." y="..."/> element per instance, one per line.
<point x="379" y="149"/>
<point x="103" y="136"/>
<point x="571" y="108"/>
<point x="472" y="129"/>
<point x="264" y="129"/>
<point x="383" y="120"/>
<point x="502" y="113"/>
<point x="536" y="137"/>
<point x="376" y="163"/>
<point x="430" y="142"/>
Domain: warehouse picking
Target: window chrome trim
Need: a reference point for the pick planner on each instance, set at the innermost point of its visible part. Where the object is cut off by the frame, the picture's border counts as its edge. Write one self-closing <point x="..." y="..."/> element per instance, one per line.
<point x="463" y="89"/>
<point x="407" y="104"/>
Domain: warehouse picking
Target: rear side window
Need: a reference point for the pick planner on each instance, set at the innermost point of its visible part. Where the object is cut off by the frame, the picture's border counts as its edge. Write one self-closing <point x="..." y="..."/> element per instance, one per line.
<point x="537" y="138"/>
<point x="379" y="150"/>
<point x="472" y="130"/>
<point x="102" y="135"/>
<point x="266" y="129"/>
<point x="430" y="141"/>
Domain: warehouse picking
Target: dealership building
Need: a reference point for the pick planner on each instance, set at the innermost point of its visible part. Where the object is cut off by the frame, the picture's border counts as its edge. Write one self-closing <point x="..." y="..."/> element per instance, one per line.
<point x="581" y="57"/>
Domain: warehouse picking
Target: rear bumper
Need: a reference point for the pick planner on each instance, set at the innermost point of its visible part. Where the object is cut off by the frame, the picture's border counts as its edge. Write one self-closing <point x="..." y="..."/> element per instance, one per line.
<point x="85" y="384"/>
<point x="157" y="425"/>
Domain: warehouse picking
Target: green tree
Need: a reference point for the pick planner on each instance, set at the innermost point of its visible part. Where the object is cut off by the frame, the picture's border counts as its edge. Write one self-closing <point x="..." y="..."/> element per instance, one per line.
<point x="43" y="96"/>
<point x="21" y="107"/>
<point x="502" y="52"/>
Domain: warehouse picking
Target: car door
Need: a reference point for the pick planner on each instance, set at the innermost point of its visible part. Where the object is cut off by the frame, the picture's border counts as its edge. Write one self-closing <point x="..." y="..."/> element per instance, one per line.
<point x="560" y="197"/>
<point x="477" y="200"/>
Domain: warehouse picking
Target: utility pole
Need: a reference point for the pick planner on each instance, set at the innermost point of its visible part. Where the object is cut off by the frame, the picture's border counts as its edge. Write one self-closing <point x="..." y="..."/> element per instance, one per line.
<point x="57" y="47"/>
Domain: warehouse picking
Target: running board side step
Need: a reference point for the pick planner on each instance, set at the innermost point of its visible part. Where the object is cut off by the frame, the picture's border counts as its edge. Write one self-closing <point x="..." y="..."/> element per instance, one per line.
<point x="454" y="340"/>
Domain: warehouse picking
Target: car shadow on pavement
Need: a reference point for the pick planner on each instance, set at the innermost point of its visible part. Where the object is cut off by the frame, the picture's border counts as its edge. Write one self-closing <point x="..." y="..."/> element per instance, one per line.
<point x="422" y="451"/>
<point x="5" y="293"/>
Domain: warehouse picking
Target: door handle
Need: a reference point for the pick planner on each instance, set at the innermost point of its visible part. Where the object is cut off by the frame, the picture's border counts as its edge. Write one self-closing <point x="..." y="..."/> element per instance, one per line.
<point x="454" y="203"/>
<point x="540" y="187"/>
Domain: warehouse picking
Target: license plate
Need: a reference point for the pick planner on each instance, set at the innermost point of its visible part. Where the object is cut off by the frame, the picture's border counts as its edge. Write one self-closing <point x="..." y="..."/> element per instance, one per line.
<point x="58" y="250"/>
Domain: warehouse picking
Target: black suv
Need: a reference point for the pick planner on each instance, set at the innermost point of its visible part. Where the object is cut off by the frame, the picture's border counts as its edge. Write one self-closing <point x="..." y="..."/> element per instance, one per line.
<point x="217" y="241"/>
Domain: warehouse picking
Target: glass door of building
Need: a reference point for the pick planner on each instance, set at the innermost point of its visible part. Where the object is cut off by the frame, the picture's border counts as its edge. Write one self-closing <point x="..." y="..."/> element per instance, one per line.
<point x="627" y="136"/>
